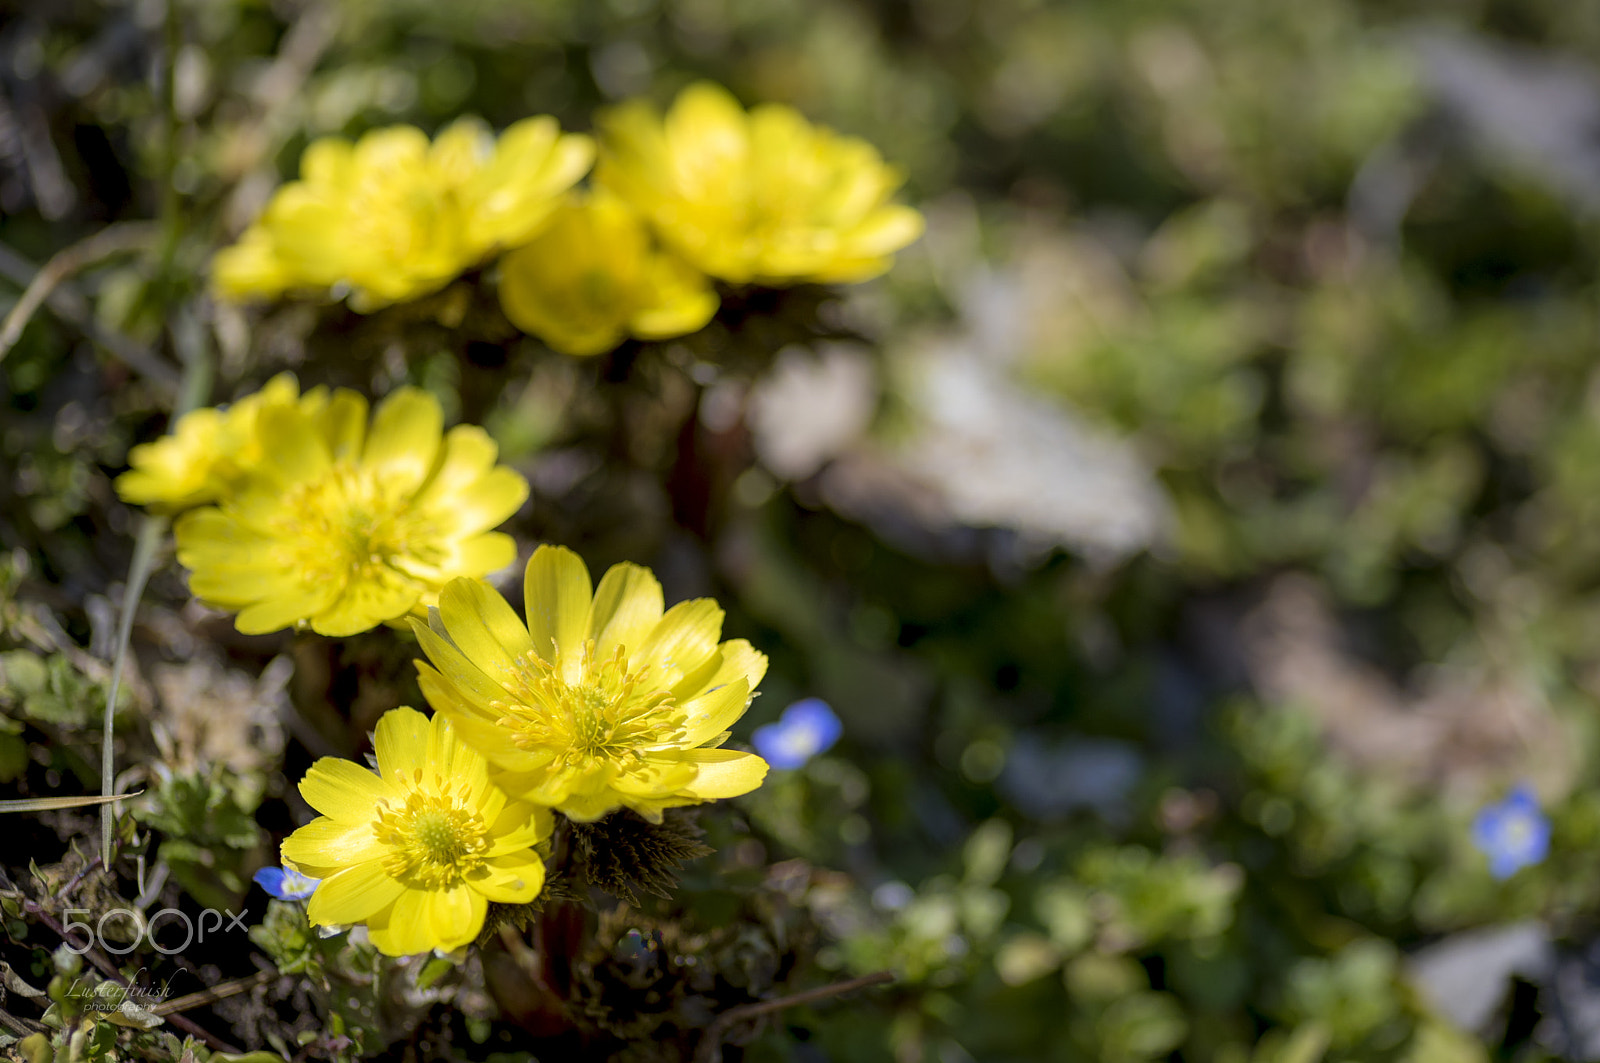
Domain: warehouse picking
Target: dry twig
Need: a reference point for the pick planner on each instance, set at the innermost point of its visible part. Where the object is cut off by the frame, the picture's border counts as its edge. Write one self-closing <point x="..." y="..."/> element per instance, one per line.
<point x="710" y="1050"/>
<point x="112" y="240"/>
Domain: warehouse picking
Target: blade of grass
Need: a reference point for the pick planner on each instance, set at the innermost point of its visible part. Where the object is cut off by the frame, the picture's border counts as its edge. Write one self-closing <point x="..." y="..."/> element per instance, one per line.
<point x="151" y="532"/>
<point x="188" y="335"/>
<point x="50" y="804"/>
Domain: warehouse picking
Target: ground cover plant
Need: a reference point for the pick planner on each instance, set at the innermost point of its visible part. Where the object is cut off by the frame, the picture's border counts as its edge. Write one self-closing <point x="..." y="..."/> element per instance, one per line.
<point x="700" y="530"/>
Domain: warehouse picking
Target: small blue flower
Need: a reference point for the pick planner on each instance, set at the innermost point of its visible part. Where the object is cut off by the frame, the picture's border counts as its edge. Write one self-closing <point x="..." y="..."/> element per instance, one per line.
<point x="806" y="728"/>
<point x="1513" y="834"/>
<point x="285" y="884"/>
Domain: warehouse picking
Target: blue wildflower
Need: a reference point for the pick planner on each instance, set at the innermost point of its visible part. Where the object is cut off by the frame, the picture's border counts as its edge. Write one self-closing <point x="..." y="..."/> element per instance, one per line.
<point x="806" y="728"/>
<point x="286" y="884"/>
<point x="1513" y="834"/>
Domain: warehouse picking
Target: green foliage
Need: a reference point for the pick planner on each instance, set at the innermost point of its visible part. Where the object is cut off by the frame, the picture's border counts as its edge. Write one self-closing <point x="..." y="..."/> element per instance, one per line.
<point x="51" y="690"/>
<point x="361" y="1000"/>
<point x="210" y="839"/>
<point x="1198" y="796"/>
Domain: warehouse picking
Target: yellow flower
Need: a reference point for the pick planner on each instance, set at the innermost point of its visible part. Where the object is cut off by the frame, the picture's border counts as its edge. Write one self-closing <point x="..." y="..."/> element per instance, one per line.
<point x="207" y="454"/>
<point x="600" y="701"/>
<point x="394" y="217"/>
<point x="343" y="527"/>
<point x="251" y="268"/>
<point x="418" y="850"/>
<point x="761" y="197"/>
<point x="592" y="278"/>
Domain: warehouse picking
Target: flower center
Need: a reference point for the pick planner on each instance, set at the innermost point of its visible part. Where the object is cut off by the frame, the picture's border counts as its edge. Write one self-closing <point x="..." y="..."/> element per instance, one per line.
<point x="434" y="839"/>
<point x="349" y="522"/>
<point x="409" y="216"/>
<point x="1516" y="833"/>
<point x="608" y="713"/>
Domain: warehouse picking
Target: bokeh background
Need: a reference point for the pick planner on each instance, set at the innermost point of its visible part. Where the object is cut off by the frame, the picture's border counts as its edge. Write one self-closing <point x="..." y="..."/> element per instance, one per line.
<point x="1195" y="532"/>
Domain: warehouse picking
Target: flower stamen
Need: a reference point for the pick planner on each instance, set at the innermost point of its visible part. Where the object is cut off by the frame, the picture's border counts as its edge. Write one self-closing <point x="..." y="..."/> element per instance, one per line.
<point x="435" y="839"/>
<point x="609" y="713"/>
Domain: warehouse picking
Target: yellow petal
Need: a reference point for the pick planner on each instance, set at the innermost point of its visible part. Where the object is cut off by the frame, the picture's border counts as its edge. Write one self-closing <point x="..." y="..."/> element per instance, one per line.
<point x="460" y="676"/>
<point x="326" y="160"/>
<point x="208" y="528"/>
<point x="277" y="391"/>
<point x="454" y="762"/>
<point x="724" y="773"/>
<point x="232" y="584"/>
<point x="344" y="424"/>
<point x="379" y="595"/>
<point x="405" y="928"/>
<point x="571" y="159"/>
<point x="556" y="594"/>
<point x="482" y="554"/>
<point x="528" y="140"/>
<point x="455" y="916"/>
<point x="545" y="785"/>
<point x="484" y="628"/>
<point x="889" y="229"/>
<point x="683" y="641"/>
<point x="739" y="660"/>
<point x="519" y="826"/>
<point x="715" y="712"/>
<point x="654" y="779"/>
<point x="291" y="449"/>
<point x="589" y="807"/>
<point x="489" y="800"/>
<point x="406" y="434"/>
<point x="325" y="845"/>
<point x="459" y="151"/>
<point x="290" y="605"/>
<point x="708" y="118"/>
<point x="469" y="454"/>
<point x="627" y="606"/>
<point x="396" y="147"/>
<point x="489" y="501"/>
<point x="679" y="302"/>
<point x="482" y="734"/>
<point x="353" y="895"/>
<point x="515" y="878"/>
<point x="401" y="742"/>
<point x="344" y="790"/>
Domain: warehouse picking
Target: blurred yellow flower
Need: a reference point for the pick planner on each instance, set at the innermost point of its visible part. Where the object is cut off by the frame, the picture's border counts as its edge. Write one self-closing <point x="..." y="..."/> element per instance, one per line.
<point x="342" y="527"/>
<point x="207" y="454"/>
<point x="763" y="197"/>
<point x="600" y="701"/>
<point x="592" y="278"/>
<point x="393" y="216"/>
<point x="252" y="268"/>
<point x="418" y="850"/>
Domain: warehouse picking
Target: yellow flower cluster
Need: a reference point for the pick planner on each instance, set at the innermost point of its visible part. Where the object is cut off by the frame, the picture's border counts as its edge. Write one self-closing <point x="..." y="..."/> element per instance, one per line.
<point x="601" y="700"/>
<point x="393" y="217"/>
<point x="760" y="197"/>
<point x="298" y="509"/>
<point x="296" y="512"/>
<point x="707" y="192"/>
